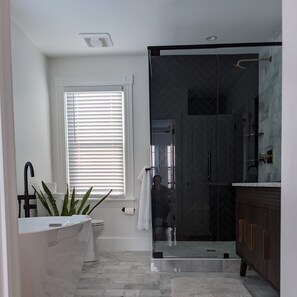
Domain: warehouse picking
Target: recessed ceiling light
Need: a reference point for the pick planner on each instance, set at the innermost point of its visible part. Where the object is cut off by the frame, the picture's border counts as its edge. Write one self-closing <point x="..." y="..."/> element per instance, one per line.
<point x="97" y="39"/>
<point x="211" y="38"/>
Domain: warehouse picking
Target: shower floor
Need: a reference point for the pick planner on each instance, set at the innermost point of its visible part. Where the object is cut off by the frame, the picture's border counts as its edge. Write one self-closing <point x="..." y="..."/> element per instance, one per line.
<point x="196" y="249"/>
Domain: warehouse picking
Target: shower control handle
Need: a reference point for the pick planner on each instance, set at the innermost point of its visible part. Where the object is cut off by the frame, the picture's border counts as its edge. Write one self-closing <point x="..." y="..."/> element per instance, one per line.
<point x="209" y="166"/>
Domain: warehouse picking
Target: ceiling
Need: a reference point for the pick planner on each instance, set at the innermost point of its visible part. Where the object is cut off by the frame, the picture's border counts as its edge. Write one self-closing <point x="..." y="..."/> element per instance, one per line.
<point x="54" y="25"/>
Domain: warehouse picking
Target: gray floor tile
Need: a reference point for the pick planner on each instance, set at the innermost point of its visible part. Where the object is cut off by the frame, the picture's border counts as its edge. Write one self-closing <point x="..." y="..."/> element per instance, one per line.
<point x="128" y="274"/>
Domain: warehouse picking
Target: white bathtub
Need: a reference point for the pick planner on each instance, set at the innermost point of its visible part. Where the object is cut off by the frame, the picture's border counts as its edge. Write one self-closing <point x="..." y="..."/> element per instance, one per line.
<point x="52" y="251"/>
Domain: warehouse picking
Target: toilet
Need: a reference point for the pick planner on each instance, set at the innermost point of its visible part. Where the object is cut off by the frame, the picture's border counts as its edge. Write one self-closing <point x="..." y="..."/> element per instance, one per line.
<point x="97" y="228"/>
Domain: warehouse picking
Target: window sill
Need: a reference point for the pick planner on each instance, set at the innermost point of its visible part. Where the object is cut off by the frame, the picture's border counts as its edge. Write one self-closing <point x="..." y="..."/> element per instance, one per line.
<point x="108" y="202"/>
<point x="114" y="202"/>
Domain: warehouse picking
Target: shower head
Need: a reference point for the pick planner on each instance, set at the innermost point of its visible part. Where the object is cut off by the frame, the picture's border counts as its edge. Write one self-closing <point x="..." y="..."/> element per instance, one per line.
<point x="251" y="60"/>
<point x="238" y="65"/>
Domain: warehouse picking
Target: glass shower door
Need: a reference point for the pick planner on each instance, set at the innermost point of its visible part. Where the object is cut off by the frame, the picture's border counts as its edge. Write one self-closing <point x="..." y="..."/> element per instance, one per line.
<point x="184" y="97"/>
<point x="224" y="104"/>
<point x="163" y="176"/>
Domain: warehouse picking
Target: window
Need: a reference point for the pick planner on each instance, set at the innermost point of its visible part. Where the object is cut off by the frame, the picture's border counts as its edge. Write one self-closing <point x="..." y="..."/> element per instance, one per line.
<point x="95" y="139"/>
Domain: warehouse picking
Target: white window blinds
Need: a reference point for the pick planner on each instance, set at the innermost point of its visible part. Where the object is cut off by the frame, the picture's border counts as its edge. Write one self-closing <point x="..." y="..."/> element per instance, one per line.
<point x="95" y="139"/>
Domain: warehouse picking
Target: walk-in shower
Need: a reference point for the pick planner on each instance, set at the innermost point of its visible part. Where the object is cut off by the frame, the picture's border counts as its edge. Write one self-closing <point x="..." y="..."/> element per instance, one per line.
<point x="207" y="122"/>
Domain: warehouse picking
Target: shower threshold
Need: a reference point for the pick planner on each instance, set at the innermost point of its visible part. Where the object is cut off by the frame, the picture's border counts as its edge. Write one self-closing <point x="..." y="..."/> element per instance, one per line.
<point x="196" y="249"/>
<point x="231" y="265"/>
<point x="195" y="256"/>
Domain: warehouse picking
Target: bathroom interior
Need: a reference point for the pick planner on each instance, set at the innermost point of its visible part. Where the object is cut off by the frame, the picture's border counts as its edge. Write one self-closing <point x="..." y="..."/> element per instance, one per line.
<point x="205" y="118"/>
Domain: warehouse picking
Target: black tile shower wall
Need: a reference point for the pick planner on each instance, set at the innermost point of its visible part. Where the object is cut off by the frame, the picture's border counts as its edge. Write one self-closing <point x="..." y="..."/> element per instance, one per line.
<point x="213" y="107"/>
<point x="192" y="74"/>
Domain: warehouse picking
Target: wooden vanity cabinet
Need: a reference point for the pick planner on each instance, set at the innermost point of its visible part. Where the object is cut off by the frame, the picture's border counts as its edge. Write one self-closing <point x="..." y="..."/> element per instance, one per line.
<point x="258" y="231"/>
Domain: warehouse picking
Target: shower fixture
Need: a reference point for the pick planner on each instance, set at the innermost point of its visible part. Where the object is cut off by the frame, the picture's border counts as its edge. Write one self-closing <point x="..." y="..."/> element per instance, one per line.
<point x="251" y="60"/>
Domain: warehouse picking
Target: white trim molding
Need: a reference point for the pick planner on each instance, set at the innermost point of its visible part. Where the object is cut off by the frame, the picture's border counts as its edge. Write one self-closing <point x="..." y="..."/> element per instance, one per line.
<point x="129" y="158"/>
<point x="108" y="203"/>
<point x="114" y="243"/>
<point x="9" y="249"/>
<point x="288" y="150"/>
<point x="59" y="158"/>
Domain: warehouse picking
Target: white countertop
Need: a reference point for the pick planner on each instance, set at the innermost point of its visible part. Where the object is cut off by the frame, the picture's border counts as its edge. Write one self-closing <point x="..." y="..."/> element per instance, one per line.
<point x="270" y="185"/>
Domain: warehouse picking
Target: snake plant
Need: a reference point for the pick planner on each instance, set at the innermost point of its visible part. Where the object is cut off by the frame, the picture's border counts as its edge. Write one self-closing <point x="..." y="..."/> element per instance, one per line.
<point x="71" y="205"/>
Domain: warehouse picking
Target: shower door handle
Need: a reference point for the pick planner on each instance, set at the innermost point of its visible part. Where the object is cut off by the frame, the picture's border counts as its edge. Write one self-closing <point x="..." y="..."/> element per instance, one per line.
<point x="209" y="166"/>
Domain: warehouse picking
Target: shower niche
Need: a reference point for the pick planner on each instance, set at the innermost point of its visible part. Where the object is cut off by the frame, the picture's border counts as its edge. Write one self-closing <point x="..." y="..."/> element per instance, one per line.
<point x="204" y="108"/>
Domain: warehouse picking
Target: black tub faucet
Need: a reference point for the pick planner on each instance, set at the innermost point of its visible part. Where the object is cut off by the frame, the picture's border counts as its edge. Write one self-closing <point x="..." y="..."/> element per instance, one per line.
<point x="26" y="197"/>
<point x="28" y="164"/>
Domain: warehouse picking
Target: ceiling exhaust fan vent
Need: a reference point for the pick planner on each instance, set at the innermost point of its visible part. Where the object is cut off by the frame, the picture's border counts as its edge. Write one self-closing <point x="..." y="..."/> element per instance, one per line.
<point x="97" y="39"/>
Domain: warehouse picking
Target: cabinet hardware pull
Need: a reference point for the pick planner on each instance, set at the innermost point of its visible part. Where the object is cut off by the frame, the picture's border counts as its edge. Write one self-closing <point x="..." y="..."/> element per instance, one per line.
<point x="253" y="227"/>
<point x="250" y="236"/>
<point x="251" y="240"/>
<point x="241" y="231"/>
<point x="266" y="244"/>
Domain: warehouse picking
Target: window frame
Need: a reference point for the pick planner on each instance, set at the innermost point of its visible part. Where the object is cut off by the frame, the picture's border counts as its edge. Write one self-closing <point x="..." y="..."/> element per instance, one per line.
<point x="59" y="146"/>
<point x="90" y="89"/>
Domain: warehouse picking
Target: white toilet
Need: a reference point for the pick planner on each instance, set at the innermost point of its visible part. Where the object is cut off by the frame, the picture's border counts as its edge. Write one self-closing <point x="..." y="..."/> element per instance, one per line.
<point x="97" y="228"/>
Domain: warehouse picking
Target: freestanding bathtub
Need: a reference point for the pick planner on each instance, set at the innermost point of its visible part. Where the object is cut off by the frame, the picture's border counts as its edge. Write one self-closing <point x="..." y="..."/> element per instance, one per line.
<point x="52" y="251"/>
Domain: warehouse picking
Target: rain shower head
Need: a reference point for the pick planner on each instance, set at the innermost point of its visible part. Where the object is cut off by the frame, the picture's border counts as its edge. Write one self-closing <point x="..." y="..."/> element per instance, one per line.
<point x="238" y="65"/>
<point x="251" y="60"/>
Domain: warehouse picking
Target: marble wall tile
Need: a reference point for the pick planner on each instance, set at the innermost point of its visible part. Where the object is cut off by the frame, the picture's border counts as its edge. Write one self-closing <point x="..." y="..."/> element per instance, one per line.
<point x="202" y="265"/>
<point x="89" y="292"/>
<point x="270" y="114"/>
<point x="131" y="293"/>
<point x="156" y="265"/>
<point x="176" y="266"/>
<point x="147" y="293"/>
<point x="231" y="265"/>
<point x="195" y="265"/>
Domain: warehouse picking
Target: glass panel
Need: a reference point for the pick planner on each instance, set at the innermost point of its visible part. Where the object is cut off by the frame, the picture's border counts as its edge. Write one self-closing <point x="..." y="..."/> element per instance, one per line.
<point x="163" y="172"/>
<point x="210" y="120"/>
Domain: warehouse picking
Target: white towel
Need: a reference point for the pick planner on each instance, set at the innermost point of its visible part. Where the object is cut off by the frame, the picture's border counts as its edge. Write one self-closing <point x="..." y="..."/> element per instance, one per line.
<point x="144" y="214"/>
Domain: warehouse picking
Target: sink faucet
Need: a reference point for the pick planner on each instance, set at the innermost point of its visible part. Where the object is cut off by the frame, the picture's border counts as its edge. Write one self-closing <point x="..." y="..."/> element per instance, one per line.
<point x="28" y="164"/>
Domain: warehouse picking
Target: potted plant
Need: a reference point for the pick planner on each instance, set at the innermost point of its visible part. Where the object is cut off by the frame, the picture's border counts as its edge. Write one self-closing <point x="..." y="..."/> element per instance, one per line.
<point x="71" y="205"/>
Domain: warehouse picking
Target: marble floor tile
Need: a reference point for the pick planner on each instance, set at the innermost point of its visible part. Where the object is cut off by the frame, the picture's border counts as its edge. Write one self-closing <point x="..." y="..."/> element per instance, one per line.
<point x="128" y="274"/>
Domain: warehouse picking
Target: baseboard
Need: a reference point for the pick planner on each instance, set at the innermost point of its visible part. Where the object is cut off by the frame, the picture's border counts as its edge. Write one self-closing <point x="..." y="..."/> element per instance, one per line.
<point x="109" y="243"/>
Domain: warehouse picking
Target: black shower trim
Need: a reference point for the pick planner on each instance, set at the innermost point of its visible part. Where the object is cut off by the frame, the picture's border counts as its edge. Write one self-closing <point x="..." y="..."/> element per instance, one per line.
<point x="155" y="50"/>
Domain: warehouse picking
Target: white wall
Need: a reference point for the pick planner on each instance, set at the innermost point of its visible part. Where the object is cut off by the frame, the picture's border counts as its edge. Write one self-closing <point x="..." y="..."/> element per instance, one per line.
<point x="120" y="231"/>
<point x="289" y="145"/>
<point x="31" y="109"/>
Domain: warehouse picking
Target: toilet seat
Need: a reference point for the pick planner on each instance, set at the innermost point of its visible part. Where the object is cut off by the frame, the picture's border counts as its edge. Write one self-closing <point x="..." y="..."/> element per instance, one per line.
<point x="97" y="222"/>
